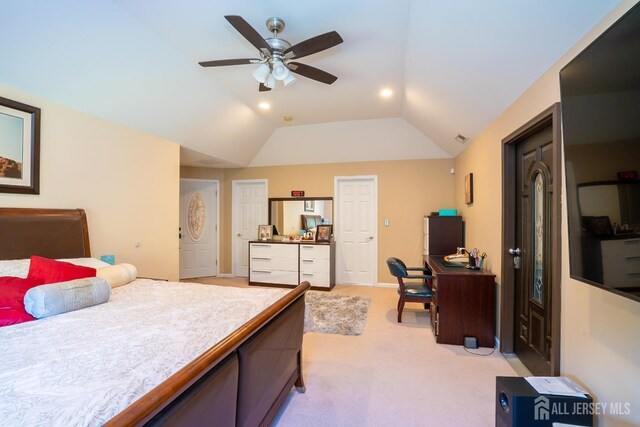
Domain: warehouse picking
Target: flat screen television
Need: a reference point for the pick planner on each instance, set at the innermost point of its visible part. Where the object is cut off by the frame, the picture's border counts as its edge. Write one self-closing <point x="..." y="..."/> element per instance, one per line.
<point x="600" y="93"/>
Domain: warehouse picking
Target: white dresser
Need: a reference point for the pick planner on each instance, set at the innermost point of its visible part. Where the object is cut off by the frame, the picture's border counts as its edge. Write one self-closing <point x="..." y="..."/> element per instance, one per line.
<point x="289" y="263"/>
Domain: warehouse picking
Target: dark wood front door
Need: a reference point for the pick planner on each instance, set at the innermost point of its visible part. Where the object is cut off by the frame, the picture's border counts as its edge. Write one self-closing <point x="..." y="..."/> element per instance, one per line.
<point x="534" y="196"/>
<point x="531" y="263"/>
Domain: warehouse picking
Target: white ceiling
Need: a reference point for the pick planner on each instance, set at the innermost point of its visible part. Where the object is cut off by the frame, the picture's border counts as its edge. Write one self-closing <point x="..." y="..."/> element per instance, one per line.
<point x="454" y="66"/>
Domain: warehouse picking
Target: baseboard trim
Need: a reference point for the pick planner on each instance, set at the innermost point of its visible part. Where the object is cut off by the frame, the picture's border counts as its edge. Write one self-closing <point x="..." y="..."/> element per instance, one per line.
<point x="225" y="275"/>
<point x="387" y="285"/>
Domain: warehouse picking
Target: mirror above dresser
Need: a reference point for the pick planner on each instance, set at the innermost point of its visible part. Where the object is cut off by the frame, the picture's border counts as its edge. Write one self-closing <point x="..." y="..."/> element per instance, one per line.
<point x="292" y="215"/>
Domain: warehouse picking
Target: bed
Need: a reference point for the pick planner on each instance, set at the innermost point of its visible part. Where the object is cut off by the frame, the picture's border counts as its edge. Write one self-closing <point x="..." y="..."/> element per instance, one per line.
<point x="240" y="379"/>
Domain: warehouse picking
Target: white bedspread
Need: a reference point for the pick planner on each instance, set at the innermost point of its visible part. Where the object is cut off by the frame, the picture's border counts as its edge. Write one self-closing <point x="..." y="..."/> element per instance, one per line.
<point x="82" y="368"/>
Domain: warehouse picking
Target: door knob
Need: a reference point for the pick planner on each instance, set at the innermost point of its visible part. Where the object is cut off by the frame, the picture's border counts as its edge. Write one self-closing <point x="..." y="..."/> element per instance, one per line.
<point x="370" y="237"/>
<point x="516" y="257"/>
<point x="239" y="234"/>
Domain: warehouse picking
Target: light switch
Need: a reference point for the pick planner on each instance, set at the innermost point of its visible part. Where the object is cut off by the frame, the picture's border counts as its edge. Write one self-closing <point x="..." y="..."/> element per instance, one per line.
<point x="386" y="222"/>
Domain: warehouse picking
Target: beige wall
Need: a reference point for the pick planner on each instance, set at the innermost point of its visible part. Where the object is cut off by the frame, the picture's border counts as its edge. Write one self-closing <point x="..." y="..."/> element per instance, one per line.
<point x="407" y="190"/>
<point x="600" y="330"/>
<point x="126" y="181"/>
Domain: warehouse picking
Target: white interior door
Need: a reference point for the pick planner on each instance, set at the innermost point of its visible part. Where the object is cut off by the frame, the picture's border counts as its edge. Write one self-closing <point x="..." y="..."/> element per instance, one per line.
<point x="249" y="210"/>
<point x="355" y="229"/>
<point x="198" y="228"/>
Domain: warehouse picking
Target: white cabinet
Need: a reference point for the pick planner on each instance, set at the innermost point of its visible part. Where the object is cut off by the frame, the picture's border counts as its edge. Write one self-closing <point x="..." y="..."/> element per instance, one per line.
<point x="288" y="264"/>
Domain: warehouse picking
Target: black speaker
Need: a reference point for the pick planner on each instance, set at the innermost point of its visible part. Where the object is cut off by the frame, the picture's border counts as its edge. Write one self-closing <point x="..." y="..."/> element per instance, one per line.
<point x="520" y="405"/>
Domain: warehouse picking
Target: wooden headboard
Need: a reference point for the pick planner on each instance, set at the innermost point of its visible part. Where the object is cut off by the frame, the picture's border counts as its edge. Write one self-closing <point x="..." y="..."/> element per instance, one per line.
<point x="51" y="233"/>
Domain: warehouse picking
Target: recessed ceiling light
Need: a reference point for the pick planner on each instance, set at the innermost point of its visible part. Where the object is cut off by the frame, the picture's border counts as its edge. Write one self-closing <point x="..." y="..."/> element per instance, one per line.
<point x="264" y="105"/>
<point x="386" y="93"/>
<point x="287" y="118"/>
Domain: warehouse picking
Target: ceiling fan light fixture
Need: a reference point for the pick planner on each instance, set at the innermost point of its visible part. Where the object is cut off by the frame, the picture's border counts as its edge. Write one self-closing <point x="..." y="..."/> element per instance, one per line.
<point x="289" y="79"/>
<point x="270" y="82"/>
<point x="280" y="71"/>
<point x="261" y="73"/>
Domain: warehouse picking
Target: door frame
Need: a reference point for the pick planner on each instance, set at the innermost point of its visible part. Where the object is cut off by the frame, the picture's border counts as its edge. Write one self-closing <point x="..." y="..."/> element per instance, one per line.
<point x="234" y="209"/>
<point x="217" y="224"/>
<point x="507" y="287"/>
<point x="336" y="226"/>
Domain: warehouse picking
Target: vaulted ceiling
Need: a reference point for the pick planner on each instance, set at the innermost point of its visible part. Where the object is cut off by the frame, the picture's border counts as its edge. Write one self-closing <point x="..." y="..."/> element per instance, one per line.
<point x="454" y="66"/>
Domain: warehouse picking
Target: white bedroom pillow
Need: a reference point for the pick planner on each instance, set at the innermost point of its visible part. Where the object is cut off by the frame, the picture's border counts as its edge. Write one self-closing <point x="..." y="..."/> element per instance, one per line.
<point x="57" y="298"/>
<point x="118" y="275"/>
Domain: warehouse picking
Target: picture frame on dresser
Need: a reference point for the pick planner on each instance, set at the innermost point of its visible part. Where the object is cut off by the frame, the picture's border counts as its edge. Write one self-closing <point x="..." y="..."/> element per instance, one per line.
<point x="265" y="232"/>
<point x="323" y="233"/>
<point x="19" y="147"/>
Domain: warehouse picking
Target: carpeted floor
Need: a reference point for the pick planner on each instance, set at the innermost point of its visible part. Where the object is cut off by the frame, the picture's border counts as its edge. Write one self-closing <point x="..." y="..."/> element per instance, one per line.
<point x="391" y="375"/>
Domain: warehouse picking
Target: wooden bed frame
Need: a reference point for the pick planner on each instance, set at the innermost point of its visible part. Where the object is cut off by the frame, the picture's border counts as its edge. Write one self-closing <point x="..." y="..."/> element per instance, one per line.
<point x="242" y="380"/>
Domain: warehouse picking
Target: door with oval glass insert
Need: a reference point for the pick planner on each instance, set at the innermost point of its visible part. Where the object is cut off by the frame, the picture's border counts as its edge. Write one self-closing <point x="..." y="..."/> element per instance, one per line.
<point x="533" y="287"/>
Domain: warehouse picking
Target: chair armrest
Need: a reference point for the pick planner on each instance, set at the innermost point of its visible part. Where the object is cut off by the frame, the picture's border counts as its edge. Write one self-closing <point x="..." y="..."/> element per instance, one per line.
<point x="419" y="276"/>
<point x="418" y="269"/>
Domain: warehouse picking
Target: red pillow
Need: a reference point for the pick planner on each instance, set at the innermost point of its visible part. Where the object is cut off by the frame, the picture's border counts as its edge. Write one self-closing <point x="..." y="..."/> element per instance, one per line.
<point x="12" y="290"/>
<point x="51" y="271"/>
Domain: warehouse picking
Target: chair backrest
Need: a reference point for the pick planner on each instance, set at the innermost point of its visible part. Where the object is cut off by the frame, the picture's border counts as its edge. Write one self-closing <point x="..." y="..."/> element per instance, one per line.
<point x="396" y="267"/>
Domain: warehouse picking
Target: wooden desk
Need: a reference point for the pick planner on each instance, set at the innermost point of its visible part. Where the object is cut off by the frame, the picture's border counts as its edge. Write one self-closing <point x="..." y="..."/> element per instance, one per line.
<point x="463" y="303"/>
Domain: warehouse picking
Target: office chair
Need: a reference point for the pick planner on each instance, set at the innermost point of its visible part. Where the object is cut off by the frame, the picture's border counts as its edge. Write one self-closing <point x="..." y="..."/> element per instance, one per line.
<point x="409" y="292"/>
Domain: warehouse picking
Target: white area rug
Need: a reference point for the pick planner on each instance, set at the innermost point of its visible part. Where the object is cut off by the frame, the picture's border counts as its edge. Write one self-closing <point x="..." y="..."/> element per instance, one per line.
<point x="336" y="314"/>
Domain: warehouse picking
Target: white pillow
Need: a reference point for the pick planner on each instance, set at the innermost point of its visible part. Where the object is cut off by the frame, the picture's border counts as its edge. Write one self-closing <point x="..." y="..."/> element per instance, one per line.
<point x="118" y="275"/>
<point x="56" y="298"/>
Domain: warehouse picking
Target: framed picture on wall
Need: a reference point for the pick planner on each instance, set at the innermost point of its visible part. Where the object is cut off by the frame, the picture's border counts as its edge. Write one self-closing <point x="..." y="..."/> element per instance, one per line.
<point x="19" y="147"/>
<point x="468" y="188"/>
<point x="309" y="205"/>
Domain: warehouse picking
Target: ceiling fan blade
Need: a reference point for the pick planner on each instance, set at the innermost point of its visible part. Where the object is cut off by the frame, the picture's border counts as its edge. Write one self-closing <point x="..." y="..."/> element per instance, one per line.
<point x="263" y="88"/>
<point x="314" y="45"/>
<point x="249" y="33"/>
<point x="224" y="62"/>
<point x="312" y="72"/>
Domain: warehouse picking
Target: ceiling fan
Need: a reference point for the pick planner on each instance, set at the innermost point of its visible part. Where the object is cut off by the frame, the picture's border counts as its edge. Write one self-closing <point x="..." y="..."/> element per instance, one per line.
<point x="277" y="55"/>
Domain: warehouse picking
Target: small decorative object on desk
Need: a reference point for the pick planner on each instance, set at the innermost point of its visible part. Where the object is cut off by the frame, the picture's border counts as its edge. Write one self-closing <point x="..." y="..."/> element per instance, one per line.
<point x="265" y="232"/>
<point x="323" y="234"/>
<point x="476" y="260"/>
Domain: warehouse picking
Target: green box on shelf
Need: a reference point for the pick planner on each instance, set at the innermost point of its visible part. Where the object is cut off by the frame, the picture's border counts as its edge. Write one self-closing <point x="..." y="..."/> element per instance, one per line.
<point x="448" y="212"/>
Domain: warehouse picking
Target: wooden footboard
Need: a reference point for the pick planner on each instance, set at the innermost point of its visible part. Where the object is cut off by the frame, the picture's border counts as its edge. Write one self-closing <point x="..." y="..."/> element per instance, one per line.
<point x="285" y="314"/>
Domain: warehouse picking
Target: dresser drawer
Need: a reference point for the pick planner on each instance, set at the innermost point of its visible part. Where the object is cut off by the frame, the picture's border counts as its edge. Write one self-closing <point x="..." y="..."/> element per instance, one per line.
<point x="319" y="279"/>
<point x="274" y="276"/>
<point x="315" y="251"/>
<point x="268" y="262"/>
<point x="621" y="248"/>
<point x="274" y="250"/>
<point x="317" y="265"/>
